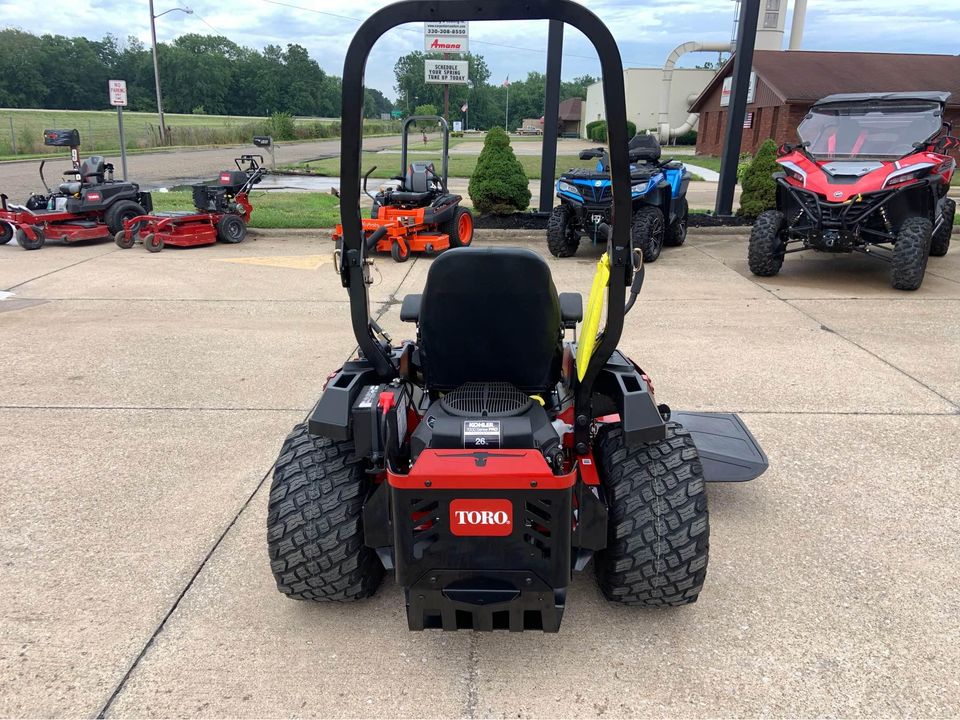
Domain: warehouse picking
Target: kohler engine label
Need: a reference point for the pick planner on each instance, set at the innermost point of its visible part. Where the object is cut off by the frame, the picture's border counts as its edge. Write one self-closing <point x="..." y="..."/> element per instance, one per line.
<point x="481" y="434"/>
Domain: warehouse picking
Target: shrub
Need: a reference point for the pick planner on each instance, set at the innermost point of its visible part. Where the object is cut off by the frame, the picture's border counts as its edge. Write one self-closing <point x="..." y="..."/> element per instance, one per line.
<point x="597" y="130"/>
<point x="759" y="190"/>
<point x="282" y="126"/>
<point x="499" y="184"/>
<point x="687" y="138"/>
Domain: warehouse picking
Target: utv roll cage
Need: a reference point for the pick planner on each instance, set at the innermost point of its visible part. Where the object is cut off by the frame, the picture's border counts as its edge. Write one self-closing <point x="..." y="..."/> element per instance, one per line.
<point x="354" y="266"/>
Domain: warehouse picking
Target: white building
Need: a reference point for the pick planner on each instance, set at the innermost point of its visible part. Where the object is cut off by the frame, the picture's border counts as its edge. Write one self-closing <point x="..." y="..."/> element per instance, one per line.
<point x="643" y="86"/>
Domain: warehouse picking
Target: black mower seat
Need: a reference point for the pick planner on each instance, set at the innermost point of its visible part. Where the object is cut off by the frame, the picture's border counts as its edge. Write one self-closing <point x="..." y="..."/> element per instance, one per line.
<point x="410" y="198"/>
<point x="490" y="315"/>
<point x="92" y="171"/>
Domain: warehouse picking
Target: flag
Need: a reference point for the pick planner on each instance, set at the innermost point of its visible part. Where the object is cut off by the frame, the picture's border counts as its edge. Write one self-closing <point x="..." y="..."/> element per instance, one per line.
<point x="464" y="108"/>
<point x="506" y="83"/>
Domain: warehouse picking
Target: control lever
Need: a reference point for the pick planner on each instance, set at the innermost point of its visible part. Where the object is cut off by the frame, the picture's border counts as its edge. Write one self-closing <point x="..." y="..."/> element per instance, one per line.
<point x="365" y="192"/>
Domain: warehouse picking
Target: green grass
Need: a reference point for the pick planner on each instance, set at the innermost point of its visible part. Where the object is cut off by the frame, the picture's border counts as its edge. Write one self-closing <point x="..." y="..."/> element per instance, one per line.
<point x="461" y="166"/>
<point x="99" y="132"/>
<point x="705" y="161"/>
<point x="271" y="209"/>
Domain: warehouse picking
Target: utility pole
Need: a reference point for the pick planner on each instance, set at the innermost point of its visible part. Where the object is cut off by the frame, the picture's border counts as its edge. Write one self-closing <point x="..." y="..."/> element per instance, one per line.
<point x="156" y="66"/>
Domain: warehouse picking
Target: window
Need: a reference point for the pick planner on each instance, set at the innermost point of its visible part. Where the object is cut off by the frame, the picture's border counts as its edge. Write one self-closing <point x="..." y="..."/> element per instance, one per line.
<point x="771" y="20"/>
<point x="773" y="5"/>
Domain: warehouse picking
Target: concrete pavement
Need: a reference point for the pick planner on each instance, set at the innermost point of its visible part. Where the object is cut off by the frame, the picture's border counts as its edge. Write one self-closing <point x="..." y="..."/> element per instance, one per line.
<point x="143" y="399"/>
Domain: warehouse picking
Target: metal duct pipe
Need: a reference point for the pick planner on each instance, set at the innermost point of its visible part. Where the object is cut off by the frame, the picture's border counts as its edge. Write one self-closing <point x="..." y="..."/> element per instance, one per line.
<point x="796" y="27"/>
<point x="663" y="122"/>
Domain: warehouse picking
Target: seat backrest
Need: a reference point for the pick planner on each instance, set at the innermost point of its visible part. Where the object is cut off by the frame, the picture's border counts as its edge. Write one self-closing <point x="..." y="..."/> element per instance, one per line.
<point x="92" y="170"/>
<point x="490" y="315"/>
<point x="644" y="148"/>
<point x="419" y="175"/>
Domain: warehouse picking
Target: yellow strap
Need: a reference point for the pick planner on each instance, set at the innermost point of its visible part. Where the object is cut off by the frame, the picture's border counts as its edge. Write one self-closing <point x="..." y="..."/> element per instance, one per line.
<point x="591" y="320"/>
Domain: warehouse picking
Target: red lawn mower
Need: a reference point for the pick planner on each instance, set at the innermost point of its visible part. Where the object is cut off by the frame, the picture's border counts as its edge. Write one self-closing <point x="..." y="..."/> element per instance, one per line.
<point x="418" y="215"/>
<point x="223" y="211"/>
<point x="871" y="175"/>
<point x="486" y="461"/>
<point x="90" y="206"/>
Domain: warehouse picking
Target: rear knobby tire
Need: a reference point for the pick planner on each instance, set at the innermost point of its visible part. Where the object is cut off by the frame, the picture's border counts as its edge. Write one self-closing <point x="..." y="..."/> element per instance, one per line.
<point x="647" y="232"/>
<point x="562" y="239"/>
<point x="459" y="228"/>
<point x="658" y="528"/>
<point x="909" y="261"/>
<point x="315" y="521"/>
<point x="677" y="232"/>
<point x="766" y="248"/>
<point x="231" y="229"/>
<point x="939" y="243"/>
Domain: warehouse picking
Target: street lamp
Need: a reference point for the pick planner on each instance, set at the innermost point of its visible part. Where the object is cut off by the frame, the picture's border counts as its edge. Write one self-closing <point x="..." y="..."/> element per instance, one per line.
<point x="156" y="67"/>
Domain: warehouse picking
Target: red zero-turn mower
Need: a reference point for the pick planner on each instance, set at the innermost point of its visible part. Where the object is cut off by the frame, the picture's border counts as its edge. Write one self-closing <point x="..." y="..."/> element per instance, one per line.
<point x="419" y="215"/>
<point x="871" y="175"/>
<point x="486" y="461"/>
<point x="222" y="212"/>
<point x="90" y="206"/>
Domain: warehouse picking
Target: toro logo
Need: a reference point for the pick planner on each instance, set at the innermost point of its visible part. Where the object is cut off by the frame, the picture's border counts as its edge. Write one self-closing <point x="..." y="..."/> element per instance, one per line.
<point x="224" y="178"/>
<point x="93" y="197"/>
<point x="490" y="518"/>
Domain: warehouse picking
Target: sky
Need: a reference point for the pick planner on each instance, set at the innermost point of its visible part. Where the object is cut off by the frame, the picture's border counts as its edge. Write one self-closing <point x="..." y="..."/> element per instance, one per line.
<point x="646" y="30"/>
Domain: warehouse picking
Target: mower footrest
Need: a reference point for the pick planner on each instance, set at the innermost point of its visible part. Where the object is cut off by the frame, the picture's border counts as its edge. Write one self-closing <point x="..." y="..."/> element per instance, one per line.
<point x="728" y="451"/>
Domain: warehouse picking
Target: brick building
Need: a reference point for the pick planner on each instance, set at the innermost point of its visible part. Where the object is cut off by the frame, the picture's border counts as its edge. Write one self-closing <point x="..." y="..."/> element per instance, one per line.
<point x="786" y="83"/>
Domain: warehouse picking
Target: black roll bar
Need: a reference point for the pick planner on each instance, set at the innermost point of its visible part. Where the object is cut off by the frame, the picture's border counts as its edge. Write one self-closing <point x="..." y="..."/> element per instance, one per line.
<point x="353" y="267"/>
<point x="446" y="144"/>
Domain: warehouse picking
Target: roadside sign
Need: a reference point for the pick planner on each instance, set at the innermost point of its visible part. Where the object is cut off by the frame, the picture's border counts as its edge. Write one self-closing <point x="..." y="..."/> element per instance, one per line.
<point x="446" y="37"/>
<point x="118" y="92"/>
<point x="458" y="126"/>
<point x="396" y="114"/>
<point x="446" y="72"/>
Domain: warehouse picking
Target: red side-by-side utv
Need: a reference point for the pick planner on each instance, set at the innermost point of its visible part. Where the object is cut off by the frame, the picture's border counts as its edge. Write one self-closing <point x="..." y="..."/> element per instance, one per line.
<point x="871" y="175"/>
<point x="510" y="443"/>
<point x="89" y="206"/>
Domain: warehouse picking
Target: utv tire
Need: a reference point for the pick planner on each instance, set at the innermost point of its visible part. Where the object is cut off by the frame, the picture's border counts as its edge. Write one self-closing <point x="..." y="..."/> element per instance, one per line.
<point x="28" y="244"/>
<point x="120" y="211"/>
<point x="459" y="229"/>
<point x="765" y="251"/>
<point x="562" y="239"/>
<point x="910" y="253"/>
<point x="677" y="232"/>
<point x="231" y="229"/>
<point x="315" y="521"/>
<point x="647" y="232"/>
<point x="6" y="233"/>
<point x="658" y="529"/>
<point x="939" y="243"/>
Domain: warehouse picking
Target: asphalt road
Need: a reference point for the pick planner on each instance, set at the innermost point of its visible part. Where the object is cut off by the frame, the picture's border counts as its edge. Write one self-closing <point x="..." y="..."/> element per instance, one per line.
<point x="143" y="399"/>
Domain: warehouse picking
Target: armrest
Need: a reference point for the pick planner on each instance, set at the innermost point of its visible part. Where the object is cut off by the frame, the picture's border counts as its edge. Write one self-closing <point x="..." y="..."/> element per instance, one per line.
<point x="410" y="309"/>
<point x="571" y="309"/>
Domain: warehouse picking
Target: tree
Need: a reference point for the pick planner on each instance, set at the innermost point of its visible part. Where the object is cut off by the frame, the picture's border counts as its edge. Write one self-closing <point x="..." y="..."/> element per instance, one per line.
<point x="499" y="184"/>
<point x="759" y="189"/>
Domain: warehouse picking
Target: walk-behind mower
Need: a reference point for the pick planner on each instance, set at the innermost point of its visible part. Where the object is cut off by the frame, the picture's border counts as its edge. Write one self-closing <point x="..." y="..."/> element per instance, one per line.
<point x="222" y="212"/>
<point x="90" y="206"/>
<point x="870" y="175"/>
<point x="486" y="461"/>
<point x="659" y="201"/>
<point x="418" y="214"/>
